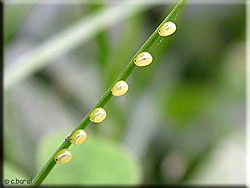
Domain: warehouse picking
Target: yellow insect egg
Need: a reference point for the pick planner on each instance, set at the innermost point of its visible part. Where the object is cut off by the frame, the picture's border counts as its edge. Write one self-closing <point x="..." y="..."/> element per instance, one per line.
<point x="143" y="59"/>
<point x="120" y="88"/>
<point x="167" y="29"/>
<point x="98" y="115"/>
<point x="63" y="156"/>
<point x="78" y="137"/>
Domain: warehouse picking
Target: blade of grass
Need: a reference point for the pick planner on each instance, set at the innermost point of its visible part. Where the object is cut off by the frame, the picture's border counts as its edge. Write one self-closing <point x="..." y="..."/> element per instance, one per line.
<point x="65" y="41"/>
<point x="106" y="97"/>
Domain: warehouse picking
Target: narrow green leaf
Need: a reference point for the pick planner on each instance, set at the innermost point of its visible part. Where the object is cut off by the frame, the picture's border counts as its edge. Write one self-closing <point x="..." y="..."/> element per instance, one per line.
<point x="153" y="39"/>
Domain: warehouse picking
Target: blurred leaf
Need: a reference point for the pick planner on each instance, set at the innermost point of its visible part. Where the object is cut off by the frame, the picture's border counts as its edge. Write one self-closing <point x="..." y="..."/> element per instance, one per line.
<point x="225" y="163"/>
<point x="233" y="78"/>
<point x="11" y="172"/>
<point x="13" y="16"/>
<point x="142" y="118"/>
<point x="102" y="45"/>
<point x="17" y="138"/>
<point x="97" y="161"/>
<point x="186" y="102"/>
<point x="102" y="48"/>
<point x="65" y="41"/>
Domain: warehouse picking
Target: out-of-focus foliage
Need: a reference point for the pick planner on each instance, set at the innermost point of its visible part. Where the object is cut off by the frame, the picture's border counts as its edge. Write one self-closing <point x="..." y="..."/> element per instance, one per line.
<point x="97" y="161"/>
<point x="13" y="16"/>
<point x="178" y="120"/>
<point x="11" y="172"/>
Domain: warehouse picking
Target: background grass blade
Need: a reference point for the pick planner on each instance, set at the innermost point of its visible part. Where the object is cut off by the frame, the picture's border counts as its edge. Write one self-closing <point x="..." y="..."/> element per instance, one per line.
<point x="65" y="41"/>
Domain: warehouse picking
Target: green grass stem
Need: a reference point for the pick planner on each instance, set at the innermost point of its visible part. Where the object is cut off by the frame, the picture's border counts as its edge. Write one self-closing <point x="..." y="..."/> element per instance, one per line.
<point x="155" y="37"/>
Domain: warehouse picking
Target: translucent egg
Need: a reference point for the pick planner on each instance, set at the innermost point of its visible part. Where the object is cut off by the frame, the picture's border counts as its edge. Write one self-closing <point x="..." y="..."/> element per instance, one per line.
<point x="63" y="156"/>
<point x="78" y="137"/>
<point x="143" y="59"/>
<point x="167" y="29"/>
<point x="98" y="115"/>
<point x="120" y="88"/>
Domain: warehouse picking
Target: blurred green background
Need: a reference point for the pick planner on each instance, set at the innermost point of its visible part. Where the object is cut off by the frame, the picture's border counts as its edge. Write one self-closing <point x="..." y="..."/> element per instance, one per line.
<point x="182" y="121"/>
